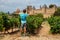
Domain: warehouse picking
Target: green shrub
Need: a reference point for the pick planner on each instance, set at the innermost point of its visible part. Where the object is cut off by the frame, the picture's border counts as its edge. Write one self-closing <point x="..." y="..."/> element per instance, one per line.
<point x="34" y="22"/>
<point x="1" y="23"/>
<point x="15" y="21"/>
<point x="54" y="22"/>
<point x="57" y="13"/>
<point x="2" y="27"/>
<point x="8" y="21"/>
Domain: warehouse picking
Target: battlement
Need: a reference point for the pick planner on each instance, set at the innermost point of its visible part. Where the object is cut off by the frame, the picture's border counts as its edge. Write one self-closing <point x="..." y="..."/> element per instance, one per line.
<point x="44" y="10"/>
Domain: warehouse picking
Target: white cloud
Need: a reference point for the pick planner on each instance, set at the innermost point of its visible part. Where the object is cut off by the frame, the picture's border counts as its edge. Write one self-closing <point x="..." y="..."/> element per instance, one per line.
<point x="18" y="1"/>
<point x="1" y="6"/>
<point x="13" y="4"/>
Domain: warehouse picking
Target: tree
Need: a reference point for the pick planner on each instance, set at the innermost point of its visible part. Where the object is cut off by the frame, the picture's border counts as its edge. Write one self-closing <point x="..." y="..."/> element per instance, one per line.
<point x="34" y="7"/>
<point x="44" y="6"/>
<point x="8" y="12"/>
<point x="57" y="13"/>
<point x="50" y="6"/>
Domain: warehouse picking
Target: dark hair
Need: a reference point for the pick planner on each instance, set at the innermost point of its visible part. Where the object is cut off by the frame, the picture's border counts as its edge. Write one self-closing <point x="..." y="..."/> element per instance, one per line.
<point x="24" y="11"/>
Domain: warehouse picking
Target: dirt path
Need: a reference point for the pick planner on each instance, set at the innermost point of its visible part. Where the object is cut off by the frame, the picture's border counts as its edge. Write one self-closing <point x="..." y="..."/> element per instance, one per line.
<point x="43" y="35"/>
<point x="45" y="28"/>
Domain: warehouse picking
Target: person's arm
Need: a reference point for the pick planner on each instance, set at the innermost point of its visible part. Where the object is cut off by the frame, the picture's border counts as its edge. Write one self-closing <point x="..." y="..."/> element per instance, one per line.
<point x="28" y="14"/>
<point x="19" y="16"/>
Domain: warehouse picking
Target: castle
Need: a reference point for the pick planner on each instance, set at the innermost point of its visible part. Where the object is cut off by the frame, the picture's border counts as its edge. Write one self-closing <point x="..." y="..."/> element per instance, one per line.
<point x="46" y="11"/>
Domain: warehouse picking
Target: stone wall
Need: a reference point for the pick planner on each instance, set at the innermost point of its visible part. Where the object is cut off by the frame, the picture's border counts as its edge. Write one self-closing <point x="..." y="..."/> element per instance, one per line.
<point x="43" y="10"/>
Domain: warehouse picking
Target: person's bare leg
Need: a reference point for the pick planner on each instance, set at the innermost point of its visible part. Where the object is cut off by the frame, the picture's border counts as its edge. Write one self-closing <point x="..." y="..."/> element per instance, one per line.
<point x="20" y="30"/>
<point x="25" y="29"/>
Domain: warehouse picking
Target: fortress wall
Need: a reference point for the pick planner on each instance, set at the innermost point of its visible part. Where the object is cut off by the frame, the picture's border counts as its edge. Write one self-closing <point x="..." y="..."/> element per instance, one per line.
<point x="50" y="10"/>
<point x="44" y="11"/>
<point x="31" y="12"/>
<point x="37" y="11"/>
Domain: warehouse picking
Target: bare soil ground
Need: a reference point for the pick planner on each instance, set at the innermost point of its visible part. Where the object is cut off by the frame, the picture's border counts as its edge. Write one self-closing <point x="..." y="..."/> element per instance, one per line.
<point x="43" y="35"/>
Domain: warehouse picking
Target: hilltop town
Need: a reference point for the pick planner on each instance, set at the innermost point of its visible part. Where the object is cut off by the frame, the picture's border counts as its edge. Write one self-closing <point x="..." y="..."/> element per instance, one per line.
<point x="43" y="10"/>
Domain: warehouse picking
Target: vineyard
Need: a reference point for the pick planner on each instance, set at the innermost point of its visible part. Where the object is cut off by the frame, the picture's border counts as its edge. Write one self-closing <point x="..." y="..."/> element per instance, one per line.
<point x="34" y="22"/>
<point x="8" y="22"/>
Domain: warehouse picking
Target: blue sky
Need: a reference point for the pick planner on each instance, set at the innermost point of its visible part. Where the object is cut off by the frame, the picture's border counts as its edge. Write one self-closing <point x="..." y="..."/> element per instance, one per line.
<point x="12" y="5"/>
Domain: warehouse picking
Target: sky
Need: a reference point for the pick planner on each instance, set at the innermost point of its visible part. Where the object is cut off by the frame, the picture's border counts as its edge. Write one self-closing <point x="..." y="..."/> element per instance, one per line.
<point x="12" y="5"/>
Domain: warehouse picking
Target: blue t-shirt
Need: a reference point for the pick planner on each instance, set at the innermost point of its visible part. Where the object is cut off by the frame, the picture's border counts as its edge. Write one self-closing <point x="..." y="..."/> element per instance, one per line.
<point x="23" y="17"/>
